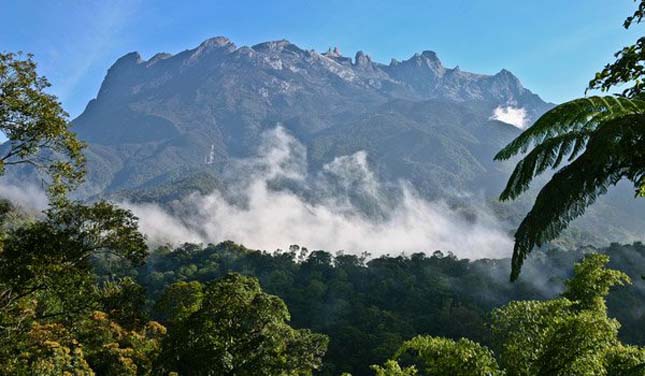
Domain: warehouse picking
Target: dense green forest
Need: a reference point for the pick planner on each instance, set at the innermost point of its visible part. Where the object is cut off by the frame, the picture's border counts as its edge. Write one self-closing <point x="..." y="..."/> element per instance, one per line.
<point x="228" y="310"/>
<point x="368" y="308"/>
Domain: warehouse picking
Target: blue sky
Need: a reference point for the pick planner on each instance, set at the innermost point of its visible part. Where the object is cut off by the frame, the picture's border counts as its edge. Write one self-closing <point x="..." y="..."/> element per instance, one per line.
<point x="553" y="46"/>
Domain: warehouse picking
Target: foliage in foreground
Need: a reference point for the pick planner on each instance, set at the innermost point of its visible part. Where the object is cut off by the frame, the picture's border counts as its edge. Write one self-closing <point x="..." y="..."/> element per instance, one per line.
<point x="50" y="304"/>
<point x="570" y="335"/>
<point x="601" y="140"/>
<point x="346" y="296"/>
<point x="57" y="318"/>
<point x="231" y="327"/>
<point x="36" y="127"/>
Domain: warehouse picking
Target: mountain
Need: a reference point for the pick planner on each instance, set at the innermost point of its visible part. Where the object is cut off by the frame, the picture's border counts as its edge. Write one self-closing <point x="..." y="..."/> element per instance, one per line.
<point x="172" y="115"/>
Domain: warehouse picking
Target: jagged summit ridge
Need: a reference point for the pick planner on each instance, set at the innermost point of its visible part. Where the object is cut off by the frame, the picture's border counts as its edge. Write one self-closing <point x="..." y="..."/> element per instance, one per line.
<point x="421" y="76"/>
<point x="426" y="58"/>
<point x="219" y="41"/>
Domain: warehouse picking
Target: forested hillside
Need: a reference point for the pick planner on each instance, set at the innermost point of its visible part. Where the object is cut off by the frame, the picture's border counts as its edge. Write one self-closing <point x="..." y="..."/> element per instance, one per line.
<point x="368" y="307"/>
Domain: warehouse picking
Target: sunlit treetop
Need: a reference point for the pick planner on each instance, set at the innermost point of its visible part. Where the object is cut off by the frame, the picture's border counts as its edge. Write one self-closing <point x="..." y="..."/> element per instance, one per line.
<point x="36" y="126"/>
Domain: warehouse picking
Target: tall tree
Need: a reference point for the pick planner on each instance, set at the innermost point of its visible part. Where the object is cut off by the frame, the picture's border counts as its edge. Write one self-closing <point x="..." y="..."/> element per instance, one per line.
<point x="48" y="292"/>
<point x="36" y="126"/>
<point x="239" y="330"/>
<point x="600" y="139"/>
<point x="443" y="357"/>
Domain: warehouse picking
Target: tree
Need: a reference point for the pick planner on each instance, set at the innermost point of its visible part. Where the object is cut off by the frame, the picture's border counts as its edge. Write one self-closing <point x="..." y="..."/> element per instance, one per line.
<point x="392" y="368"/>
<point x="625" y="361"/>
<point x="591" y="283"/>
<point x="536" y="338"/>
<point x="36" y="126"/>
<point x="124" y="301"/>
<point x="571" y="335"/>
<point x="48" y="350"/>
<point x="180" y="300"/>
<point x="48" y="290"/>
<point x="51" y="258"/>
<point x="46" y="276"/>
<point x="111" y="349"/>
<point x="240" y="330"/>
<point x="602" y="140"/>
<point x="628" y="66"/>
<point x="447" y="357"/>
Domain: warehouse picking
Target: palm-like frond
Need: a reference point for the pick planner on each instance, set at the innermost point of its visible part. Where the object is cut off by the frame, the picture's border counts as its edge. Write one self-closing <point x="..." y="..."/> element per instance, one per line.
<point x="614" y="149"/>
<point x="582" y="113"/>
<point x="561" y="132"/>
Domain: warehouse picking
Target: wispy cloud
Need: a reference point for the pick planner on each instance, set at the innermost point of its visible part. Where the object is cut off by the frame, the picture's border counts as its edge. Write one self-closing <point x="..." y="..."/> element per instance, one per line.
<point x="26" y="195"/>
<point x="261" y="216"/>
<point x="511" y="115"/>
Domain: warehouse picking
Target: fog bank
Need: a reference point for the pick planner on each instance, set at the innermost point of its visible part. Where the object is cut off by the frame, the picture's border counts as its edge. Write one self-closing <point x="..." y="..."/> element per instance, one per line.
<point x="346" y="208"/>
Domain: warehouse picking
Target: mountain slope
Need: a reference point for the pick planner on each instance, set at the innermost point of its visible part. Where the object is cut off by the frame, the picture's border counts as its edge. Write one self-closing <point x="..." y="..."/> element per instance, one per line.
<point x="154" y="120"/>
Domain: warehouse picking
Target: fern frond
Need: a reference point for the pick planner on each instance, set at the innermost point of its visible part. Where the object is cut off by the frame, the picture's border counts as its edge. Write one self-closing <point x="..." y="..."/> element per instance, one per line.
<point x="550" y="153"/>
<point x="577" y="114"/>
<point x="616" y="150"/>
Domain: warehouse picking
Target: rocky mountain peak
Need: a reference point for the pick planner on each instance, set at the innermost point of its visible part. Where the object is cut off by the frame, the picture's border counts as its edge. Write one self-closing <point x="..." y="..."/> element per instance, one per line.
<point x="420" y="77"/>
<point x="157" y="118"/>
<point x="427" y="60"/>
<point x="120" y="74"/>
<point x="506" y="74"/>
<point x="158" y="57"/>
<point x="333" y="53"/>
<point x="362" y="60"/>
<point x="337" y="56"/>
<point x="219" y="41"/>
<point x="426" y="57"/>
<point x="128" y="59"/>
<point x="276" y="46"/>
<point x="506" y="78"/>
<point x="430" y="55"/>
<point x="212" y="45"/>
